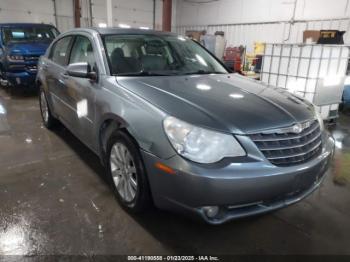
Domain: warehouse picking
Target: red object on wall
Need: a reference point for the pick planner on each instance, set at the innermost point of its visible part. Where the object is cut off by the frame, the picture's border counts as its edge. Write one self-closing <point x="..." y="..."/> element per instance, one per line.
<point x="232" y="58"/>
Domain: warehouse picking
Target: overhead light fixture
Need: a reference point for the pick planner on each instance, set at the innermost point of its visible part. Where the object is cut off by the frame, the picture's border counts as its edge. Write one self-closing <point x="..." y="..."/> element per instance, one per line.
<point x="124" y="26"/>
<point x="144" y="27"/>
<point x="102" y="25"/>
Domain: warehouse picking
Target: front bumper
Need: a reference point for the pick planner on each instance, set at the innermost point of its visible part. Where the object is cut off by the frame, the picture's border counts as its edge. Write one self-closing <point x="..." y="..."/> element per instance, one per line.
<point x="239" y="189"/>
<point x="22" y="78"/>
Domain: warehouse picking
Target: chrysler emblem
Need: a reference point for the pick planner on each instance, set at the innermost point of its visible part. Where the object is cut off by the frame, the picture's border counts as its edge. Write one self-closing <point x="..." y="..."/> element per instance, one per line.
<point x="297" y="129"/>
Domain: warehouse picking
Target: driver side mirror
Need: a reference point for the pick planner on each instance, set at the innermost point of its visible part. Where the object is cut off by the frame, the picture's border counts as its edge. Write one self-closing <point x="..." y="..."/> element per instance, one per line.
<point x="82" y="70"/>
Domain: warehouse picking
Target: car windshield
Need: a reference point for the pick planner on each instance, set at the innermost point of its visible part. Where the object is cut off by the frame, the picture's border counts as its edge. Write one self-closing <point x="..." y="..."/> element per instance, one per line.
<point x="27" y="34"/>
<point x="149" y="55"/>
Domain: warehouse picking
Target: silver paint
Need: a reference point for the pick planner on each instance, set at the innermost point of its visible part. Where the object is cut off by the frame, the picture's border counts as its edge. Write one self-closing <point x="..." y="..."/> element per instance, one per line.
<point x="233" y="105"/>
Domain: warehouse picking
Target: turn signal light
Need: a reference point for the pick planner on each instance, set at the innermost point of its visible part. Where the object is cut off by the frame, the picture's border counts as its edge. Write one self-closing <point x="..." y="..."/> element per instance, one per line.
<point x="165" y="168"/>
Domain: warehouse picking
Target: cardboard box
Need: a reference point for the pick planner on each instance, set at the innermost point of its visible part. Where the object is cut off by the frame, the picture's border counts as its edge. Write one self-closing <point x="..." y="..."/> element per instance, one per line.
<point x="195" y="35"/>
<point x="311" y="36"/>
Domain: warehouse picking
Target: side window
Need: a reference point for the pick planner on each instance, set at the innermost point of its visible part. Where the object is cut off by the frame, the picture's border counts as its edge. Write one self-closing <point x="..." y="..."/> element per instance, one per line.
<point x="82" y="51"/>
<point x="60" y="51"/>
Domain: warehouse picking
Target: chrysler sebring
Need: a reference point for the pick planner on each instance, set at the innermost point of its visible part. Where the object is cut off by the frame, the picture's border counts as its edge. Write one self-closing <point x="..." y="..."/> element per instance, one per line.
<point x="175" y="129"/>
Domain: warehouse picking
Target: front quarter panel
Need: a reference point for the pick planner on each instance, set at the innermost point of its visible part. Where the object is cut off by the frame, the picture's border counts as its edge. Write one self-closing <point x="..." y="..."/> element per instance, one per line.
<point x="142" y="120"/>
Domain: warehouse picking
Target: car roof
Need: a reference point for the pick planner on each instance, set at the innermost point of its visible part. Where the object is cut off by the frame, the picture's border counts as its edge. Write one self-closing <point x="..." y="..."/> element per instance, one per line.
<point x="126" y="31"/>
<point x="23" y="24"/>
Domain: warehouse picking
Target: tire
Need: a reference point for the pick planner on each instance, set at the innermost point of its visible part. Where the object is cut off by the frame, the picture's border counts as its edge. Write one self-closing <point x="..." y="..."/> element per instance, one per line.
<point x="48" y="120"/>
<point x="2" y="77"/>
<point x="136" y="198"/>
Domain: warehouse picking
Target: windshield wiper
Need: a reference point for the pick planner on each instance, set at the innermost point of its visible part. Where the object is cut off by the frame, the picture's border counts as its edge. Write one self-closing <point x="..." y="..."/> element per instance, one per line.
<point x="143" y="73"/>
<point x="203" y="72"/>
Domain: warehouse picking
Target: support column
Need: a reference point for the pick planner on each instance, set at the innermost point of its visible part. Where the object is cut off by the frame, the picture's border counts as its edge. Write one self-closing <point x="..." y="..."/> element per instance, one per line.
<point x="55" y="13"/>
<point x="77" y="12"/>
<point x="167" y="6"/>
<point x="154" y="14"/>
<point x="109" y="13"/>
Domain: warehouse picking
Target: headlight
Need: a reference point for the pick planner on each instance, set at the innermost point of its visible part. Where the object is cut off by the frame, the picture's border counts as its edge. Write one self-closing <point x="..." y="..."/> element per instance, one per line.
<point x="15" y="58"/>
<point x="199" y="144"/>
<point x="319" y="118"/>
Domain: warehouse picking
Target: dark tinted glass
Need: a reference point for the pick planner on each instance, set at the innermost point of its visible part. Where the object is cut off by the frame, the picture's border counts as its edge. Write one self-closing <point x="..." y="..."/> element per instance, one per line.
<point x="158" y="55"/>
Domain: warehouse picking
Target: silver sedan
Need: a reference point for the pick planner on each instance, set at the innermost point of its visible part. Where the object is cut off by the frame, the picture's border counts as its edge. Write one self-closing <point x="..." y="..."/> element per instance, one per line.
<point x="175" y="129"/>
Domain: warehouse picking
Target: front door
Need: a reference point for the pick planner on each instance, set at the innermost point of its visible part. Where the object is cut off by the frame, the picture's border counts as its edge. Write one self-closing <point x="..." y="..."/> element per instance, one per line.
<point x="80" y="92"/>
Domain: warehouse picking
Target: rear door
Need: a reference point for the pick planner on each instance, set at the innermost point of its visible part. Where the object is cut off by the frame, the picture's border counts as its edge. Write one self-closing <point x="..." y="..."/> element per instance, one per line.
<point x="56" y="77"/>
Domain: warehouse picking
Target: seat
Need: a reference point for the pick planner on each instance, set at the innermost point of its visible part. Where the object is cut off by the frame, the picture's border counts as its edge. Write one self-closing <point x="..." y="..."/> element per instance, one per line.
<point x="122" y="64"/>
<point x="154" y="60"/>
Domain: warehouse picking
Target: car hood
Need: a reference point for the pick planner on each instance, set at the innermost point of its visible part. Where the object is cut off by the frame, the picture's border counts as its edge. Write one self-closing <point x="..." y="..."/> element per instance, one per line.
<point x="227" y="103"/>
<point x="31" y="48"/>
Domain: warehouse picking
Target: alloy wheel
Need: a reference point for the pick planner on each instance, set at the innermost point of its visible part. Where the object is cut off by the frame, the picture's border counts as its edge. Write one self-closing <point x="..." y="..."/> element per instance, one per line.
<point x="123" y="171"/>
<point x="44" y="107"/>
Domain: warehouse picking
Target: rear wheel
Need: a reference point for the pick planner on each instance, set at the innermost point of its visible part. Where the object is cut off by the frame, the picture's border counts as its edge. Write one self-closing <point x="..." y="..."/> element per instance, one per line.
<point x="48" y="120"/>
<point x="127" y="173"/>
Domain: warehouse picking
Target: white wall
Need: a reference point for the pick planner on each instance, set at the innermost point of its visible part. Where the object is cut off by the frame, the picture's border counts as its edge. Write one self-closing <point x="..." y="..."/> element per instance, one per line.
<point x="65" y="14"/>
<point x="247" y="21"/>
<point x="135" y="13"/>
<point x="37" y="11"/>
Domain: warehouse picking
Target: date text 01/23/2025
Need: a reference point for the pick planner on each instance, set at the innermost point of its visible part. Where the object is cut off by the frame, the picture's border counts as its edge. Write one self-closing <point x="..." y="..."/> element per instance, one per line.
<point x="173" y="258"/>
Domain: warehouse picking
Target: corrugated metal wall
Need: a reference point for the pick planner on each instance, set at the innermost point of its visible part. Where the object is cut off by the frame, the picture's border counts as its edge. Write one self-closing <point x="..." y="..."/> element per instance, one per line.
<point x="38" y="11"/>
<point x="135" y="13"/>
<point x="275" y="21"/>
<point x="64" y="15"/>
<point x="247" y="34"/>
<point x="17" y="11"/>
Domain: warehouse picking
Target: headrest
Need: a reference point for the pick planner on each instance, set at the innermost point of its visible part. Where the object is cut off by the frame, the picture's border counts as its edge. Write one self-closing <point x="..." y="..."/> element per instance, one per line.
<point x="154" y="48"/>
<point x="89" y="48"/>
<point x="118" y="52"/>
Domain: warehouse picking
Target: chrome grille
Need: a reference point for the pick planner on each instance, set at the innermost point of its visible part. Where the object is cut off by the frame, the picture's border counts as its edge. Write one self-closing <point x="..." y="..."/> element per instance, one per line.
<point x="32" y="68"/>
<point x="32" y="58"/>
<point x="285" y="148"/>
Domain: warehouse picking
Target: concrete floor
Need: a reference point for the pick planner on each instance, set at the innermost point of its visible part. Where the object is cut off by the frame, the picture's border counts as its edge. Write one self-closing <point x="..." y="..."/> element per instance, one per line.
<point x="54" y="200"/>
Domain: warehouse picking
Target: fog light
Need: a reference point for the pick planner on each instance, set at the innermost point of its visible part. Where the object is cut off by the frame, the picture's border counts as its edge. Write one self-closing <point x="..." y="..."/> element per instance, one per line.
<point x="211" y="211"/>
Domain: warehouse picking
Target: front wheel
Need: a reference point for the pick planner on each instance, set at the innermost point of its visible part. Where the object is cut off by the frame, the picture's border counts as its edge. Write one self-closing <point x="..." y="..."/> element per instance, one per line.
<point x="48" y="120"/>
<point x="127" y="173"/>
